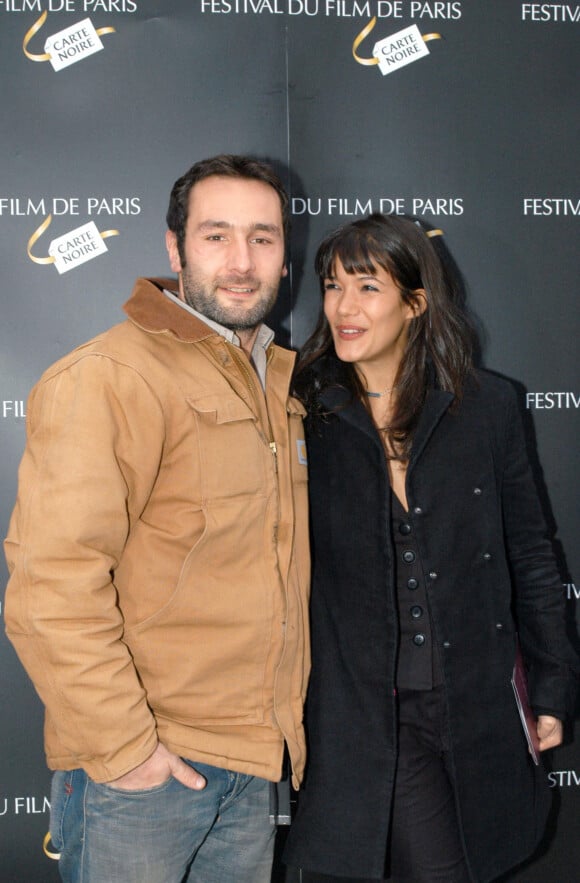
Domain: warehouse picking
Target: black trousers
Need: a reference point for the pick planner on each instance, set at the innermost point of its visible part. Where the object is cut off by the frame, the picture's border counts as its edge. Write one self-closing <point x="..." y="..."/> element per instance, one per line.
<point x="425" y="842"/>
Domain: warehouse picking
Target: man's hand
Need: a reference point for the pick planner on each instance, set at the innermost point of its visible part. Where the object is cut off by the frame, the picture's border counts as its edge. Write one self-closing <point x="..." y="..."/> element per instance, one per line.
<point x="550" y="731"/>
<point x="156" y="770"/>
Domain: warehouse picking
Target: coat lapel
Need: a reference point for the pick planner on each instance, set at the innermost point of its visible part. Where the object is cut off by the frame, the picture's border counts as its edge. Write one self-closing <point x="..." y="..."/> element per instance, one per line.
<point x="436" y="405"/>
<point x="339" y="401"/>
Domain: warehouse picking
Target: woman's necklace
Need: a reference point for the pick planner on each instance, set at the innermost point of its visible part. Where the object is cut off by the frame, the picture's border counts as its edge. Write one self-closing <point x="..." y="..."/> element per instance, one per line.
<point x="379" y="395"/>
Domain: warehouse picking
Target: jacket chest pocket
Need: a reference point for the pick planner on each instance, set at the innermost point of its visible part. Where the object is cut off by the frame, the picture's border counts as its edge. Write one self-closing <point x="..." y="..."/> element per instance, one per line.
<point x="232" y="450"/>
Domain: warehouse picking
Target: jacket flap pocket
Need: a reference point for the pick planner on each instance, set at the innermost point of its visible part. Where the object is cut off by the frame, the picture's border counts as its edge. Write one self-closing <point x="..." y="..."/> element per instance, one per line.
<point x="221" y="408"/>
<point x="295" y="407"/>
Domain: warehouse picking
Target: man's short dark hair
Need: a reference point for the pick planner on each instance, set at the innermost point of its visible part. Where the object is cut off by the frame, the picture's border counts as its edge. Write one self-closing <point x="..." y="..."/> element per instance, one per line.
<point x="227" y="166"/>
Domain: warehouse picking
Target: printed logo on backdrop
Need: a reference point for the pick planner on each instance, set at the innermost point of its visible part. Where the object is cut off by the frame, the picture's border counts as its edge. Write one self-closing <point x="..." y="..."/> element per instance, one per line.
<point x="69" y="45"/>
<point x="13" y="409"/>
<point x="564" y="779"/>
<point x="78" y="244"/>
<point x="551" y="12"/>
<point x="396" y="51"/>
<point x="572" y="593"/>
<point x="24" y="806"/>
<point x="396" y="9"/>
<point x="73" y="248"/>
<point x="544" y="206"/>
<point x="548" y="401"/>
<point x="345" y="206"/>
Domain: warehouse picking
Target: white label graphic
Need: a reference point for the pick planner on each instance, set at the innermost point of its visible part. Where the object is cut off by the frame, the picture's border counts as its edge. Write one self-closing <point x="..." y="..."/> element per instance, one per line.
<point x="73" y="44"/>
<point x="400" y="49"/>
<point x="77" y="247"/>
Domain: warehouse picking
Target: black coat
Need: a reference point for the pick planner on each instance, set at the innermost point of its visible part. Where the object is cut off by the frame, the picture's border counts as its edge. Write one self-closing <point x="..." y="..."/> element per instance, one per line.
<point x="488" y="565"/>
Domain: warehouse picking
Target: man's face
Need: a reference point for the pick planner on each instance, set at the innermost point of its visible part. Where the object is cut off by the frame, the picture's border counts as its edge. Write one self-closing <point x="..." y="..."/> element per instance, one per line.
<point x="233" y="249"/>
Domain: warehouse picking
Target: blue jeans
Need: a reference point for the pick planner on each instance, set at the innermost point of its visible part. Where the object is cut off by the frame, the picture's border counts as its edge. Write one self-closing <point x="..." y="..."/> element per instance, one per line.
<point x="166" y="834"/>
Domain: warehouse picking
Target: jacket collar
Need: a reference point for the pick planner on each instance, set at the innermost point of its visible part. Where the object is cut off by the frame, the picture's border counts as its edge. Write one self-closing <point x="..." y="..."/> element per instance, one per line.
<point x="339" y="401"/>
<point x="436" y="405"/>
<point x="152" y="311"/>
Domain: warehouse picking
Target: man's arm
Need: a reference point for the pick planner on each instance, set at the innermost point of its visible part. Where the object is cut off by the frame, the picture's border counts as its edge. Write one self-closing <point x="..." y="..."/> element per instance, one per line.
<point x="93" y="429"/>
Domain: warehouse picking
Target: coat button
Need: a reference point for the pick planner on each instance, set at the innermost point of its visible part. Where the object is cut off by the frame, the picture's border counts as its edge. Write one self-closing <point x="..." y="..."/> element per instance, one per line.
<point x="499" y="626"/>
<point x="417" y="510"/>
<point x="446" y="645"/>
<point x="433" y="574"/>
<point x="416" y="611"/>
<point x="408" y="556"/>
<point x="486" y="556"/>
<point x="405" y="528"/>
<point x="418" y="639"/>
<point x="477" y="491"/>
<point x="412" y="583"/>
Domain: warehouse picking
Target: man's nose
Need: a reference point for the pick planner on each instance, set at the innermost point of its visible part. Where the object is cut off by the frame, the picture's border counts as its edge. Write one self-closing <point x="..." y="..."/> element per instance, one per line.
<point x="240" y="256"/>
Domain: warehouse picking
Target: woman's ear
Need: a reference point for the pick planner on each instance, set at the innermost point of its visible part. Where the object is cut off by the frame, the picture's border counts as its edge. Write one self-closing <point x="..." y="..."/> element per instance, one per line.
<point x="419" y="302"/>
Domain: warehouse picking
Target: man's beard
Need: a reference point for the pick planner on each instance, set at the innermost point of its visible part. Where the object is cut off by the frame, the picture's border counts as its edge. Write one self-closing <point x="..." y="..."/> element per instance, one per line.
<point x="200" y="296"/>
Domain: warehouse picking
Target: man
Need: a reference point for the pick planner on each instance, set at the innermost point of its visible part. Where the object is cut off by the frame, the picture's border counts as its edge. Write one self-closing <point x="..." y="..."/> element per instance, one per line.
<point x="158" y="557"/>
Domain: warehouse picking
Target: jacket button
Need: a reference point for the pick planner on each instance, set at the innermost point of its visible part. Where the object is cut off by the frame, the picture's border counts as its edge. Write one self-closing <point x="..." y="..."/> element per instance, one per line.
<point x="486" y="556"/>
<point x="499" y="626"/>
<point x="405" y="528"/>
<point x="477" y="491"/>
<point x="412" y="583"/>
<point x="416" y="611"/>
<point x="417" y="510"/>
<point x="408" y="556"/>
<point x="433" y="574"/>
<point x="446" y="645"/>
<point x="418" y="639"/>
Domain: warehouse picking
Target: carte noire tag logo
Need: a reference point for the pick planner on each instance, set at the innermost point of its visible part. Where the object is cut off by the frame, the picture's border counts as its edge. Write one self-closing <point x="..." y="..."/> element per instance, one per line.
<point x="73" y="248"/>
<point x="76" y="247"/>
<point x="402" y="48"/>
<point x="68" y="46"/>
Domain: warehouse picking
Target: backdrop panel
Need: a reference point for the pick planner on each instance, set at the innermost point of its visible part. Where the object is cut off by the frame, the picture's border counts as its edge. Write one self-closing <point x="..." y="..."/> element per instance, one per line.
<point x="469" y="123"/>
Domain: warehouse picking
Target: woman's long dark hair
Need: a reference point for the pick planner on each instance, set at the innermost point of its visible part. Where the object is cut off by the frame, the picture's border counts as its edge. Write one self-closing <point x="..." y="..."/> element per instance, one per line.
<point x="440" y="343"/>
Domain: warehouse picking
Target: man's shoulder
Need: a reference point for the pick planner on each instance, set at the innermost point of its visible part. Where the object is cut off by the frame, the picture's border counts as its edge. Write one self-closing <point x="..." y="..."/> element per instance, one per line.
<point x="115" y="342"/>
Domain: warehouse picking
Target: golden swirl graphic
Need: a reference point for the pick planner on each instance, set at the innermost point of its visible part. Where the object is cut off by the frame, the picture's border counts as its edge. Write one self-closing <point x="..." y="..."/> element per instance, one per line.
<point x="42" y="229"/>
<point x="358" y="40"/>
<point x="53" y="855"/>
<point x="30" y="34"/>
<point x="36" y="235"/>
<point x="366" y="31"/>
<point x="46" y="56"/>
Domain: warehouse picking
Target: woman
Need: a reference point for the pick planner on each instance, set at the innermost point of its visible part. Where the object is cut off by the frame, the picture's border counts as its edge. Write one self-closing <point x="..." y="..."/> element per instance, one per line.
<point x="429" y="555"/>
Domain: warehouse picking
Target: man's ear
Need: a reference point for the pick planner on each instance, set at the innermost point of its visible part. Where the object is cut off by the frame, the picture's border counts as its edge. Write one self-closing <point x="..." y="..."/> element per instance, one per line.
<point x="284" y="271"/>
<point x="173" y="251"/>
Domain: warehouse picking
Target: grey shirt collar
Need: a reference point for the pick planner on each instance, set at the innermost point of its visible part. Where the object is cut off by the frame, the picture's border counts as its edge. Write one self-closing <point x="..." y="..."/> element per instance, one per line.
<point x="263" y="339"/>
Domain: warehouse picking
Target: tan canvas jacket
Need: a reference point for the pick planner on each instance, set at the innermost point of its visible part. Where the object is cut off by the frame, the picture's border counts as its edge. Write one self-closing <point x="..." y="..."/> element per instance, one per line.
<point x="158" y="550"/>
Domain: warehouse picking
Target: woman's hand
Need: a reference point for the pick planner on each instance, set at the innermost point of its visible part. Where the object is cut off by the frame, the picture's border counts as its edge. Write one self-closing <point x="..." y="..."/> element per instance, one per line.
<point x="550" y="731"/>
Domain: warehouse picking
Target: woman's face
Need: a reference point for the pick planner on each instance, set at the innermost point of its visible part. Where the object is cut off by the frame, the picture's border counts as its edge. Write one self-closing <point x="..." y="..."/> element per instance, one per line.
<point x="368" y="318"/>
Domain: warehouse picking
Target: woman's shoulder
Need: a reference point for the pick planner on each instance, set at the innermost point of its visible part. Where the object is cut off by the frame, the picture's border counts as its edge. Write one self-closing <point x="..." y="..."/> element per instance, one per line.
<point x="490" y="387"/>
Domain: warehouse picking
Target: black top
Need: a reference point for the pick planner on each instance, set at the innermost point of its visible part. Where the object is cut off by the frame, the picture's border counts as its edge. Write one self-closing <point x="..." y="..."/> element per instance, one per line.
<point x="418" y="666"/>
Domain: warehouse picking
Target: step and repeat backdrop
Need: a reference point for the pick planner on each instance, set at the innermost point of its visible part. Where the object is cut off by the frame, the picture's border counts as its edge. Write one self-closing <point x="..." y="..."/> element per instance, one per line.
<point x="463" y="115"/>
